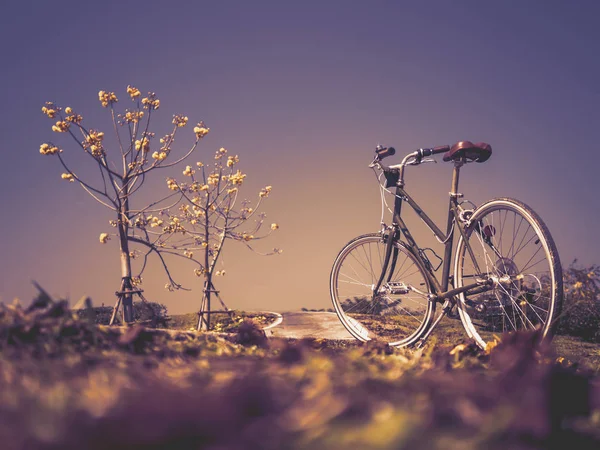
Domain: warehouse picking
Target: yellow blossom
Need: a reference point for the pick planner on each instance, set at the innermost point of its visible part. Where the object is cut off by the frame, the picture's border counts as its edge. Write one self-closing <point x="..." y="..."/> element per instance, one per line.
<point x="93" y="143"/>
<point x="49" y="110"/>
<point x="188" y="172"/>
<point x="274" y="226"/>
<point x="151" y="102"/>
<point x="231" y="160"/>
<point x="180" y="120"/>
<point x="49" y="149"/>
<point x="143" y="144"/>
<point x="188" y="254"/>
<point x="204" y="187"/>
<point x="247" y="237"/>
<point x="199" y="272"/>
<point x="265" y="191"/>
<point x="213" y="179"/>
<point x="159" y="156"/>
<point x="200" y="164"/>
<point x="201" y="130"/>
<point x="60" y="127"/>
<point x="237" y="178"/>
<point x="107" y="98"/>
<point x="578" y="285"/>
<point x="133" y="92"/>
<point x="133" y="116"/>
<point x="232" y="191"/>
<point x="74" y="118"/>
<point x="104" y="237"/>
<point x="169" y="287"/>
<point x="172" y="184"/>
<point x="220" y="273"/>
<point x="68" y="110"/>
<point x="68" y="177"/>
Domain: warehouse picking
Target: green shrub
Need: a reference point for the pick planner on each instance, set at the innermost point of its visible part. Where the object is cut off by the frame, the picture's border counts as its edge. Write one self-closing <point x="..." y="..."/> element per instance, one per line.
<point x="581" y="310"/>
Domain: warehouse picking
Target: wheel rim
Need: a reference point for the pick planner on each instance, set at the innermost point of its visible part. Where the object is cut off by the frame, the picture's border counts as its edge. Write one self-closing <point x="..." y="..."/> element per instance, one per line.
<point x="507" y="242"/>
<point x="395" y="314"/>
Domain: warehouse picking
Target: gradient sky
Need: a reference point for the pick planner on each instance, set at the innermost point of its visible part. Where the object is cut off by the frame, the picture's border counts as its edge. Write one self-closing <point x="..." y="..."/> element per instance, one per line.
<point x="302" y="91"/>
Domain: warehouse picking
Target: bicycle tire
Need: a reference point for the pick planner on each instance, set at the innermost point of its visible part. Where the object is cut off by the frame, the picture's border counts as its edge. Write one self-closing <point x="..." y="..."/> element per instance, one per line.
<point x="396" y="318"/>
<point x="521" y="246"/>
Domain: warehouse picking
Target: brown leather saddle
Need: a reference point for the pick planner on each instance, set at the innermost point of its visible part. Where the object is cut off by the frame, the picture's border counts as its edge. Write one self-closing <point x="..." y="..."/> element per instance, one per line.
<point x="478" y="152"/>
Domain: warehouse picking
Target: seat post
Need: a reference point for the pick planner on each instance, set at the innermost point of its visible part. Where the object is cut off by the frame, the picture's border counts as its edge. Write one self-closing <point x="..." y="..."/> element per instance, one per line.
<point x="448" y="246"/>
<point x="455" y="176"/>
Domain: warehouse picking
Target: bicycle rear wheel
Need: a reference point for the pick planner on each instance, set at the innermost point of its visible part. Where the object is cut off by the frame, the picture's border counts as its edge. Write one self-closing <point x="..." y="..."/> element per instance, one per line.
<point x="396" y="314"/>
<point x="508" y="239"/>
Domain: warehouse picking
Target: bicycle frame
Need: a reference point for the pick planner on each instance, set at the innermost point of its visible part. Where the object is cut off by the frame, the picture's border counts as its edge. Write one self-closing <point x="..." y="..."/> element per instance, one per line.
<point x="399" y="226"/>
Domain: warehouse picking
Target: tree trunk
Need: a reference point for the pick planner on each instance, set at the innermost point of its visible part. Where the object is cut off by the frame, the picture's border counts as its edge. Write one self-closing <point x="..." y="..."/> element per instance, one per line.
<point x="127" y="299"/>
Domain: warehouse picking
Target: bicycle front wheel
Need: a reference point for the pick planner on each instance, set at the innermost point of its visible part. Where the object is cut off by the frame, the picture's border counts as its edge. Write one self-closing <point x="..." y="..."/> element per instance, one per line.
<point x="400" y="312"/>
<point x="510" y="242"/>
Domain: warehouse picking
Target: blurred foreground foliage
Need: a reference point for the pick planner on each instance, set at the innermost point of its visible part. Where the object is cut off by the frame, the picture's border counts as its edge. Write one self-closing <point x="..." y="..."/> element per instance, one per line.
<point x="66" y="383"/>
<point x="581" y="311"/>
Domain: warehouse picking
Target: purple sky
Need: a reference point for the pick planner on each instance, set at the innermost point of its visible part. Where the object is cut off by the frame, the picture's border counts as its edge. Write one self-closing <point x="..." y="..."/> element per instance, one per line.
<point x="303" y="92"/>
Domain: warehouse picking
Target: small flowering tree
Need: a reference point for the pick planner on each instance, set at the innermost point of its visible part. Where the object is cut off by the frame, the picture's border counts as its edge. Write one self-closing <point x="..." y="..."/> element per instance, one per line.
<point x="122" y="173"/>
<point x="211" y="213"/>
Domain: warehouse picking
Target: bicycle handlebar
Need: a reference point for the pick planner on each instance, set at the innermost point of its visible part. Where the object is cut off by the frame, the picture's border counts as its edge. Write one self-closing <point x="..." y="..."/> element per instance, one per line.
<point x="423" y="152"/>
<point x="384" y="152"/>
<point x="413" y="158"/>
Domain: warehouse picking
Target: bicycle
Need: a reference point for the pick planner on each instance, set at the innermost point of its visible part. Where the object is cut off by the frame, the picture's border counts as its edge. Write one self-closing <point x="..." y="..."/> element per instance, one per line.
<point x="507" y="274"/>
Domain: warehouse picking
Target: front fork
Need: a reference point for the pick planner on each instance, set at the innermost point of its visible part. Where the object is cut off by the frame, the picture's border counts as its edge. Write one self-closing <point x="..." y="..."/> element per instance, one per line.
<point x="391" y="253"/>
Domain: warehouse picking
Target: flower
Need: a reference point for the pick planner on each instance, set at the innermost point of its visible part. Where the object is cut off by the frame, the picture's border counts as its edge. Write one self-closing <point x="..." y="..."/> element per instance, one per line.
<point x="151" y="102"/>
<point x="156" y="222"/>
<point x="68" y="177"/>
<point x="68" y="110"/>
<point x="201" y="130"/>
<point x="133" y="116"/>
<point x="213" y="179"/>
<point x="73" y="118"/>
<point x="50" y="110"/>
<point x="133" y="92"/>
<point x="231" y="160"/>
<point x="107" y="98"/>
<point x="247" y="237"/>
<point x="220" y="273"/>
<point x="265" y="191"/>
<point x="60" y="127"/>
<point x="159" y="156"/>
<point x="237" y="178"/>
<point x="180" y="121"/>
<point x="200" y="164"/>
<point x="49" y="149"/>
<point x="232" y="191"/>
<point x="188" y="254"/>
<point x="274" y="226"/>
<point x="104" y="237"/>
<point x="172" y="184"/>
<point x="188" y="172"/>
<point x="93" y="143"/>
<point x="143" y="144"/>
